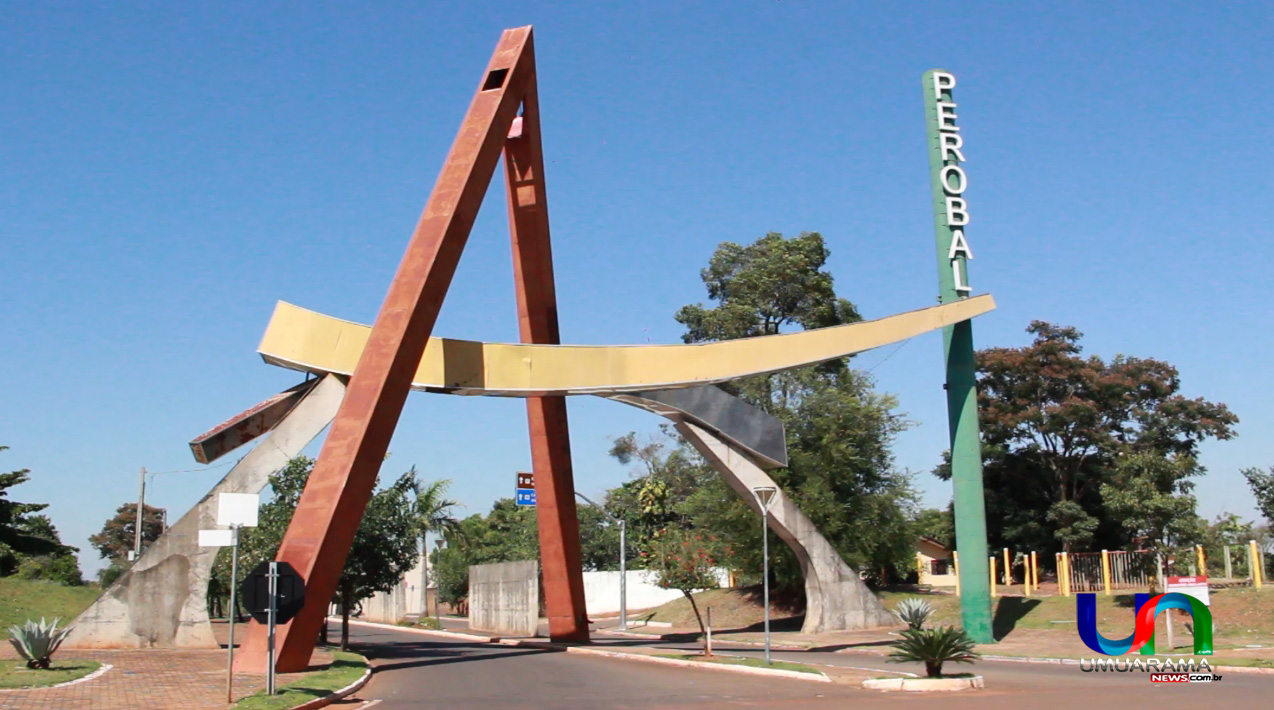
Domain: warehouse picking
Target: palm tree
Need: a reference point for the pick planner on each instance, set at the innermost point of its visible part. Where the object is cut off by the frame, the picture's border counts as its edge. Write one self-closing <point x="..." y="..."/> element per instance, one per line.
<point x="432" y="510"/>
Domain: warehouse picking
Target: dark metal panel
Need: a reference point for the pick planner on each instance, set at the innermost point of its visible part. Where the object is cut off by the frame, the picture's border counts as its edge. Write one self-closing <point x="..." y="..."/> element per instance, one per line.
<point x="711" y="407"/>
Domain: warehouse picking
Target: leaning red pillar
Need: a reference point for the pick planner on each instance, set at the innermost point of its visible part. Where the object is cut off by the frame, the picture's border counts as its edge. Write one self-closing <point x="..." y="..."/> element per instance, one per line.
<point x="546" y="416"/>
<point x="322" y="528"/>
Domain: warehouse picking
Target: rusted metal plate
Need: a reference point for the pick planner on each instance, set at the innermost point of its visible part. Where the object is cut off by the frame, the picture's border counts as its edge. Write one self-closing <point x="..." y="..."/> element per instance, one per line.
<point x="248" y="424"/>
<point x="546" y="416"/>
<point x="322" y="529"/>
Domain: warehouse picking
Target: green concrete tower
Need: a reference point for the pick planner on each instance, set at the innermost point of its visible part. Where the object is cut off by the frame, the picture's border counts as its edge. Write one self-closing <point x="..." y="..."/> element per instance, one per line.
<point x="950" y="215"/>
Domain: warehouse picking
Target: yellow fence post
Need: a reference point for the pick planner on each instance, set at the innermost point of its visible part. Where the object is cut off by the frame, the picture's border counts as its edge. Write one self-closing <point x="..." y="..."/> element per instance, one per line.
<point x="955" y="562"/>
<point x="1026" y="574"/>
<point x="1105" y="570"/>
<point x="1066" y="573"/>
<point x="1254" y="563"/>
<point x="1035" y="571"/>
<point x="1201" y="559"/>
<point x="992" y="576"/>
<point x="1008" y="568"/>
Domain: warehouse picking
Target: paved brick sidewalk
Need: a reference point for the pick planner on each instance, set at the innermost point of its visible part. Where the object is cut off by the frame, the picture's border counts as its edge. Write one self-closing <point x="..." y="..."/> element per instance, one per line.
<point x="162" y="679"/>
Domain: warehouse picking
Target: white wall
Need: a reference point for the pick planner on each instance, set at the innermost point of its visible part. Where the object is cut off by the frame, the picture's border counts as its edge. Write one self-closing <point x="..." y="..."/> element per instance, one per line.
<point x="601" y="590"/>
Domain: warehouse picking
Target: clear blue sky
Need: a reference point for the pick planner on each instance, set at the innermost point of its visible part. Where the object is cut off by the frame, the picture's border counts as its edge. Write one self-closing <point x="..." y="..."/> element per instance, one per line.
<point x="170" y="172"/>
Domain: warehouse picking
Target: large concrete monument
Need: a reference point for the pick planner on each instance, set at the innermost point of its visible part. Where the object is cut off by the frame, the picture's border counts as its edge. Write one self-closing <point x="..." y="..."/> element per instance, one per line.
<point x="365" y="374"/>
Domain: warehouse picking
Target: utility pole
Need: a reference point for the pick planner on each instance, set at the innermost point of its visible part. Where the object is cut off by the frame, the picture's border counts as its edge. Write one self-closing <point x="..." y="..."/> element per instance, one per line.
<point x="763" y="495"/>
<point x="623" y="561"/>
<point x="141" y="507"/>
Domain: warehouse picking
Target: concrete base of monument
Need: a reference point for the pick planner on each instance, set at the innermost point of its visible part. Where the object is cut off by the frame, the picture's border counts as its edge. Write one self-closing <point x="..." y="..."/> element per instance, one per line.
<point x="963" y="682"/>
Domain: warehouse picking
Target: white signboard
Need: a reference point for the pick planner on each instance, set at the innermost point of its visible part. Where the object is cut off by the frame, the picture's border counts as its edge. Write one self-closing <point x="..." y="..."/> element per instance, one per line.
<point x="216" y="538"/>
<point x="238" y="509"/>
<point x="1196" y="587"/>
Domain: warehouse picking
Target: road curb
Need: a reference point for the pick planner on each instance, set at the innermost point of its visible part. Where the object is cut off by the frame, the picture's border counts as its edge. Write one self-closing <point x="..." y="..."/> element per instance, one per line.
<point x="431" y="632"/>
<point x="91" y="676"/>
<point x="818" y="677"/>
<point x="339" y="694"/>
<point x="664" y="637"/>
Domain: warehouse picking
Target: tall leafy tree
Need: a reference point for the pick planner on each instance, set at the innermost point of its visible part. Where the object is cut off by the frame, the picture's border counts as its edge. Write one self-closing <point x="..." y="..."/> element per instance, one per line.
<point x="1262" y="485"/>
<point x="19" y="535"/>
<point x="433" y="512"/>
<point x="1082" y="453"/>
<point x="118" y="534"/>
<point x="839" y="429"/>
<point x="384" y="546"/>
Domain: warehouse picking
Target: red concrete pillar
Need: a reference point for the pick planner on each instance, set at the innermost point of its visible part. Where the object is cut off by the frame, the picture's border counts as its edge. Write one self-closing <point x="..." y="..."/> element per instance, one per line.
<point x="328" y="514"/>
<point x="546" y="416"/>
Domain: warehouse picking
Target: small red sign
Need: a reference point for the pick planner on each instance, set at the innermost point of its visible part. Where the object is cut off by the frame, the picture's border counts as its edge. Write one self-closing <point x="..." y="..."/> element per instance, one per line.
<point x="1186" y="581"/>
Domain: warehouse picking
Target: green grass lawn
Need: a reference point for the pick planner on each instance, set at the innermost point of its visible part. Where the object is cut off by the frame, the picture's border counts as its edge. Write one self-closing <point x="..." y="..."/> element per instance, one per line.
<point x="741" y="661"/>
<point x="22" y="599"/>
<point x="346" y="668"/>
<point x="1242" y="616"/>
<point x="15" y="674"/>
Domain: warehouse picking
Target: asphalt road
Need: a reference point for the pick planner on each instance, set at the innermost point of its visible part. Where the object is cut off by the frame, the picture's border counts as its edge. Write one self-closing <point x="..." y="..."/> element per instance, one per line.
<point x="421" y="671"/>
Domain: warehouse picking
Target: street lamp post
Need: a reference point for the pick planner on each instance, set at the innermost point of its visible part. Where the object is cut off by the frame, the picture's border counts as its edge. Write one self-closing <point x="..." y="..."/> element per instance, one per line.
<point x="623" y="561"/>
<point x="763" y="495"/>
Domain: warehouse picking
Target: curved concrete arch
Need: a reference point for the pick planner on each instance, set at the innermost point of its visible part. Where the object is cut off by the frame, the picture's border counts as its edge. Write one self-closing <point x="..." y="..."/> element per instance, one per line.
<point x="741" y="442"/>
<point x="309" y="341"/>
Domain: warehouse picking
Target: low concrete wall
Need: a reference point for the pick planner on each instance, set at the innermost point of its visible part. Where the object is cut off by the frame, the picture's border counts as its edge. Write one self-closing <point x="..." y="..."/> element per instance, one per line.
<point x="386" y="607"/>
<point x="601" y="590"/>
<point x="504" y="598"/>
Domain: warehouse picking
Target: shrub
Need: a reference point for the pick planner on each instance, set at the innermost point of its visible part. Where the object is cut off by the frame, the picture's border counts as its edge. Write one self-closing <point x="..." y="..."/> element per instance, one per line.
<point x="37" y="642"/>
<point x="62" y="569"/>
<point x="914" y="612"/>
<point x="933" y="647"/>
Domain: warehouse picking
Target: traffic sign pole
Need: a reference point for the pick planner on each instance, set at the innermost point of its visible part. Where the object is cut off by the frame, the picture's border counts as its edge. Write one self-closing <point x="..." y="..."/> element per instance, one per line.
<point x="274" y="592"/>
<point x="234" y="585"/>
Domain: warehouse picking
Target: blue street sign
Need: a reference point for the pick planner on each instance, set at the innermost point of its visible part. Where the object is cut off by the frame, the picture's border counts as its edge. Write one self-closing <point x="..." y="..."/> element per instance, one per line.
<point x="525" y="496"/>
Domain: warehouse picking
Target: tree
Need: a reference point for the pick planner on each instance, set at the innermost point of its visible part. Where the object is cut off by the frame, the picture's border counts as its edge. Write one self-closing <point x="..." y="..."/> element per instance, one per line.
<point x="1083" y="453"/>
<point x="432" y="510"/>
<point x="937" y="525"/>
<point x="839" y="430"/>
<point x="507" y="534"/>
<point x="1262" y="484"/>
<point x="762" y="287"/>
<point x="60" y="567"/>
<point x="684" y="561"/>
<point x="118" y="535"/>
<point x="384" y="546"/>
<point x="18" y="539"/>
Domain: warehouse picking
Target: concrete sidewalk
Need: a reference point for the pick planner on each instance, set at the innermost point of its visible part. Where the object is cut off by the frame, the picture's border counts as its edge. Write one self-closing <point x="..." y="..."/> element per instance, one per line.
<point x="153" y="679"/>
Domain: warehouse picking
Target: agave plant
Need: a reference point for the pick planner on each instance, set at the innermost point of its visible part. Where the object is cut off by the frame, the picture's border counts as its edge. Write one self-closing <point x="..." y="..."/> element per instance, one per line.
<point x="914" y="612"/>
<point x="933" y="647"/>
<point x="37" y="642"/>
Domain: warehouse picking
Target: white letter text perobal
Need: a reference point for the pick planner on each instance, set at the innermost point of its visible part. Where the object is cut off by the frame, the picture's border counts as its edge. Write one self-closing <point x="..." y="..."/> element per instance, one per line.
<point x="950" y="144"/>
<point x="959" y="245"/>
<point x="957" y="212"/>
<point x="958" y="274"/>
<point x="962" y="180"/>
<point x="942" y="80"/>
<point x="945" y="113"/>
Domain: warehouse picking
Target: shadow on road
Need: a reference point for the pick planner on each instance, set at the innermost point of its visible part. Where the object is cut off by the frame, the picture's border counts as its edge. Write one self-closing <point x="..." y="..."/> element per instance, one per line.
<point x="414" y="654"/>
<point x="1008" y="612"/>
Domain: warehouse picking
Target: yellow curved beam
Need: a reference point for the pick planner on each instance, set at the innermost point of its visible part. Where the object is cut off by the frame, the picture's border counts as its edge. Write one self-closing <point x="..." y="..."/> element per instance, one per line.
<point x="304" y="340"/>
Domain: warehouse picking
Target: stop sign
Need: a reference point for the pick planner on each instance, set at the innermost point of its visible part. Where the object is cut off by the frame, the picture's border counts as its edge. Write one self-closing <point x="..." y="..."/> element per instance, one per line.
<point x="256" y="593"/>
